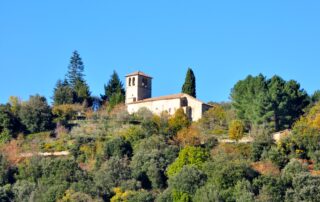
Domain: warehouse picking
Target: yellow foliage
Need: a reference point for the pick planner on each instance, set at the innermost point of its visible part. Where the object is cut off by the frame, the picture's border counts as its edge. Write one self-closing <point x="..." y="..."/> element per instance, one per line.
<point x="178" y="121"/>
<point x="188" y="136"/>
<point x="236" y="130"/>
<point x="66" y="111"/>
<point x="120" y="196"/>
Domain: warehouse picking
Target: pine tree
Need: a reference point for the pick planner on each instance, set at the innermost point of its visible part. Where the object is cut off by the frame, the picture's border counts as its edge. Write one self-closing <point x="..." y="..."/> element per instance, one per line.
<point x="75" y="78"/>
<point x="189" y="86"/>
<point x="75" y="69"/>
<point x="114" y="86"/>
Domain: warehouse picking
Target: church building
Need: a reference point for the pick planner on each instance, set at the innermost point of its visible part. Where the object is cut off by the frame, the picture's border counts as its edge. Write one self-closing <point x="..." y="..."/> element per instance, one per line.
<point x="138" y="95"/>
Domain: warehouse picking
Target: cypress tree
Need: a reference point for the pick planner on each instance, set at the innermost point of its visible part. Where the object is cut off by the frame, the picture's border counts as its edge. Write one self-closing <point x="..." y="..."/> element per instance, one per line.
<point x="189" y="86"/>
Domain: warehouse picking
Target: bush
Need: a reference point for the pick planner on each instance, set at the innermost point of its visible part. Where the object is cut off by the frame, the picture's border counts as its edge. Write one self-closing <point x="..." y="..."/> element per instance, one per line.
<point x="188" y="156"/>
<point x="118" y="147"/>
<point x="186" y="182"/>
<point x="150" y="161"/>
<point x="236" y="130"/>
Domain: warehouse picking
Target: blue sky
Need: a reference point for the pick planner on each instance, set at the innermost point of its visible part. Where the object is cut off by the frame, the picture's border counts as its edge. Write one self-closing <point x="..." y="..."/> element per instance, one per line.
<point x="223" y="41"/>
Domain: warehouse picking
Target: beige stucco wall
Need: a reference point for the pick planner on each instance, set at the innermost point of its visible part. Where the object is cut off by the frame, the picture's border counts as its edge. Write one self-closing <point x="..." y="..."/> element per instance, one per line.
<point x="171" y="106"/>
<point x="137" y="91"/>
<point x="156" y="106"/>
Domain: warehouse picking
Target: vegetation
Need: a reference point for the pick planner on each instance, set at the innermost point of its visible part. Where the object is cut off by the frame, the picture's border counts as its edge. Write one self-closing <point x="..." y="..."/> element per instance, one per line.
<point x="110" y="155"/>
<point x="189" y="86"/>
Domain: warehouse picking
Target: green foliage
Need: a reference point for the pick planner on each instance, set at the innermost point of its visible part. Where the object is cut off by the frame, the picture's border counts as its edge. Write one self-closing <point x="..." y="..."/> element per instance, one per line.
<point x="243" y="191"/>
<point x="115" y="99"/>
<point x="6" y="193"/>
<point x="75" y="69"/>
<point x="9" y="124"/>
<point x="305" y="188"/>
<point x="117" y="147"/>
<point x="185" y="183"/>
<point x="51" y="176"/>
<point x="150" y="160"/>
<point x="178" y="121"/>
<point x="141" y="195"/>
<point x="269" y="188"/>
<point x="277" y="156"/>
<point x="292" y="169"/>
<point x="214" y="121"/>
<point x="315" y="96"/>
<point x="275" y="102"/>
<point x="236" y="130"/>
<point x="262" y="142"/>
<point x="112" y="173"/>
<point x="188" y="156"/>
<point x="82" y="92"/>
<point x="22" y="190"/>
<point x="189" y="86"/>
<point x="36" y="114"/>
<point x="4" y="171"/>
<point x="66" y="112"/>
<point x="114" y="87"/>
<point x="207" y="193"/>
<point x="75" y="81"/>
<point x="63" y="93"/>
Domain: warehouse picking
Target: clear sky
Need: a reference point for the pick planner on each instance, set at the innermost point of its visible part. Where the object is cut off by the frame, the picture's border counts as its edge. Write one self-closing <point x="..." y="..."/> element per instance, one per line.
<point x="222" y="41"/>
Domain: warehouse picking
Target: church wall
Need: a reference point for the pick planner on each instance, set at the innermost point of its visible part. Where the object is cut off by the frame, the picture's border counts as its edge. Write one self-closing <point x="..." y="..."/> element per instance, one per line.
<point x="156" y="106"/>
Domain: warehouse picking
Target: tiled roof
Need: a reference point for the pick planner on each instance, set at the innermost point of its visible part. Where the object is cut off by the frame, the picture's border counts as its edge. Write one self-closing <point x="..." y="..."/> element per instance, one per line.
<point x="139" y="73"/>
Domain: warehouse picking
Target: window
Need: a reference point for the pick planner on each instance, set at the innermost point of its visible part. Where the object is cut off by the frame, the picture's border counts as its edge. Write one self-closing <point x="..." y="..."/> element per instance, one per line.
<point x="129" y="81"/>
<point x="133" y="81"/>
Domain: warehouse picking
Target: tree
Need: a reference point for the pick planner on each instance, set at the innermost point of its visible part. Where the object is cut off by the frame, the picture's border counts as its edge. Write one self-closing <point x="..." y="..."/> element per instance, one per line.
<point x="178" y="121"/>
<point x="63" y="93"/>
<point x="273" y="102"/>
<point x="150" y="160"/>
<point x="117" y="147"/>
<point x="185" y="183"/>
<point x="249" y="99"/>
<point x="189" y="86"/>
<point x="75" y="78"/>
<point x="315" y="96"/>
<point x="82" y="92"/>
<point x="305" y="188"/>
<point x="236" y="130"/>
<point x="214" y="121"/>
<point x="36" y="115"/>
<point x="112" y="174"/>
<point x="9" y="124"/>
<point x="114" y="86"/>
<point x="75" y="69"/>
<point x="188" y="156"/>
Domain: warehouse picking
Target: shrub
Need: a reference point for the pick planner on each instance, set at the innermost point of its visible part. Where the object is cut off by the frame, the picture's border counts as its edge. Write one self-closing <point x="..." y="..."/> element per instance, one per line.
<point x="236" y="130"/>
<point x="188" y="156"/>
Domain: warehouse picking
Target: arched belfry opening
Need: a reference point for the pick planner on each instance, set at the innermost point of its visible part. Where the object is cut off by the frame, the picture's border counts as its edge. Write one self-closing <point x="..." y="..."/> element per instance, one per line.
<point x="138" y="87"/>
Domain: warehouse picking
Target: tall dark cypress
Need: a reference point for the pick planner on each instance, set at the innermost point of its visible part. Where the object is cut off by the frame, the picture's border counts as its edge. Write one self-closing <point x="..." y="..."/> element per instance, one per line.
<point x="189" y="86"/>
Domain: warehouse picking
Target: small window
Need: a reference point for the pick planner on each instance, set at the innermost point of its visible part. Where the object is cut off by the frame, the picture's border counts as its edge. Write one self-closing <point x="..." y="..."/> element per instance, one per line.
<point x="133" y="81"/>
<point x="129" y="81"/>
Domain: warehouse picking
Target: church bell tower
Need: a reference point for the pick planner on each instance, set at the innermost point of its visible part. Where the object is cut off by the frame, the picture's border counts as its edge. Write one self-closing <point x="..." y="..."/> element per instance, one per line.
<point x="138" y="87"/>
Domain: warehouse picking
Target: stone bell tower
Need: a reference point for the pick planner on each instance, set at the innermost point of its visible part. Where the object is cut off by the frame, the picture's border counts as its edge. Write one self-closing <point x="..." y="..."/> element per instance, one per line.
<point x="138" y="87"/>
